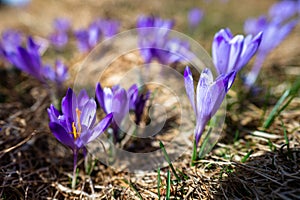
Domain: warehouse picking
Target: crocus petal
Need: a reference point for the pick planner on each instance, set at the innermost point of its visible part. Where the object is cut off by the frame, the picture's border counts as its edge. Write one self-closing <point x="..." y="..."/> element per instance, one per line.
<point x="53" y="113"/>
<point x="120" y="106"/>
<point x="205" y="81"/>
<point x="82" y="98"/>
<point x="68" y="106"/>
<point x="189" y="87"/>
<point x="133" y="93"/>
<point x="221" y="51"/>
<point x="88" y="113"/>
<point x="100" y="128"/>
<point x="236" y="46"/>
<point x="62" y="134"/>
<point x="200" y="126"/>
<point x="249" y="49"/>
<point x="104" y="97"/>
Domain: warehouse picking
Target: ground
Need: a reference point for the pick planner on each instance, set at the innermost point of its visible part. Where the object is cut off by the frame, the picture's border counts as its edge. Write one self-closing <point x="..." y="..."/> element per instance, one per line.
<point x="34" y="165"/>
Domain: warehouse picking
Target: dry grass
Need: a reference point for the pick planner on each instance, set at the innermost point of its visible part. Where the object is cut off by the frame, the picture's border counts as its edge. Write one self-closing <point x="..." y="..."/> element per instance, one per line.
<point x="33" y="165"/>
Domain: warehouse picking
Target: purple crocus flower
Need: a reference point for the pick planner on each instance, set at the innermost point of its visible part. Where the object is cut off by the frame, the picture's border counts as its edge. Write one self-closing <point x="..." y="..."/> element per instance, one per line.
<point x="87" y="38"/>
<point x="274" y="33"/>
<point x="195" y="16"/>
<point x="283" y="10"/>
<point x="97" y="30"/>
<point x="232" y="53"/>
<point x="27" y="59"/>
<point x="137" y="102"/>
<point x="151" y="21"/>
<point x="59" y="38"/>
<point x="113" y="101"/>
<point x="107" y="27"/>
<point x="10" y="39"/>
<point x="59" y="74"/>
<point x="155" y="43"/>
<point x="209" y="96"/>
<point x="62" y="24"/>
<point x="75" y="127"/>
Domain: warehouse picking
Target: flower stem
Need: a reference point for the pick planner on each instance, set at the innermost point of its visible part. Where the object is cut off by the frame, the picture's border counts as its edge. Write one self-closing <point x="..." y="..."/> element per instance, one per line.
<point x="253" y="74"/>
<point x="74" y="169"/>
<point x="194" y="154"/>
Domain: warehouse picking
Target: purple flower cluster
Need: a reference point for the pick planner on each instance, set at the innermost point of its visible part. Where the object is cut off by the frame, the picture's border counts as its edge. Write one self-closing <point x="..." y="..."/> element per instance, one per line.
<point x="118" y="101"/>
<point x="278" y="24"/>
<point x="155" y="42"/>
<point x="97" y="30"/>
<point x="28" y="59"/>
<point x="209" y="96"/>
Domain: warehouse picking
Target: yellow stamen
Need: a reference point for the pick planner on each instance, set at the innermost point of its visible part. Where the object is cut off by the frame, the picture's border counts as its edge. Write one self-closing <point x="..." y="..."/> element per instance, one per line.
<point x="74" y="130"/>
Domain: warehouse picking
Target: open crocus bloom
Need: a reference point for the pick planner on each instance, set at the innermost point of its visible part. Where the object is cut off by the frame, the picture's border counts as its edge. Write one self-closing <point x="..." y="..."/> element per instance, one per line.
<point x="209" y="96"/>
<point x="75" y="127"/>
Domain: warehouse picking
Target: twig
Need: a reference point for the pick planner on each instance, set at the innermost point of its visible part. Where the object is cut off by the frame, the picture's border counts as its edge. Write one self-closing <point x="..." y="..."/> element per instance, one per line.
<point x="18" y="145"/>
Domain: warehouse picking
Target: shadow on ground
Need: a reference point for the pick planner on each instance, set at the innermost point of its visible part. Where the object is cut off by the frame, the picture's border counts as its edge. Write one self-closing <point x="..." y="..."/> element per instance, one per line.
<point x="274" y="175"/>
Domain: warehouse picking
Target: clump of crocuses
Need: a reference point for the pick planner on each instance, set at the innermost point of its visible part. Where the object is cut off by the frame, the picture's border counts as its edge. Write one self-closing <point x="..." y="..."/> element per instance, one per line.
<point x="76" y="125"/>
<point x="120" y="102"/>
<point x="207" y="99"/>
<point x="275" y="27"/>
<point x="155" y="42"/>
<point x="99" y="29"/>
<point x="28" y="59"/>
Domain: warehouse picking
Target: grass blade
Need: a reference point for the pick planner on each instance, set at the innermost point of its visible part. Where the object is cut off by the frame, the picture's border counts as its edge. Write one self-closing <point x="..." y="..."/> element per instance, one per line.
<point x="204" y="144"/>
<point x="168" y="160"/>
<point x="168" y="185"/>
<point x="245" y="158"/>
<point x="134" y="189"/>
<point x="194" y="154"/>
<point x="282" y="103"/>
<point x="158" y="182"/>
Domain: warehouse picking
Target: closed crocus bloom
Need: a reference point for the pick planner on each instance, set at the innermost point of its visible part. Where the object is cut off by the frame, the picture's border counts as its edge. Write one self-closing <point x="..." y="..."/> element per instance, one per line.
<point x="107" y="27"/>
<point x="27" y="59"/>
<point x="283" y="10"/>
<point x="9" y="41"/>
<point x="113" y="101"/>
<point x="232" y="53"/>
<point x="195" y="16"/>
<point x="87" y="38"/>
<point x="137" y="102"/>
<point x="209" y="96"/>
<point x="59" y="38"/>
<point x="57" y="74"/>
